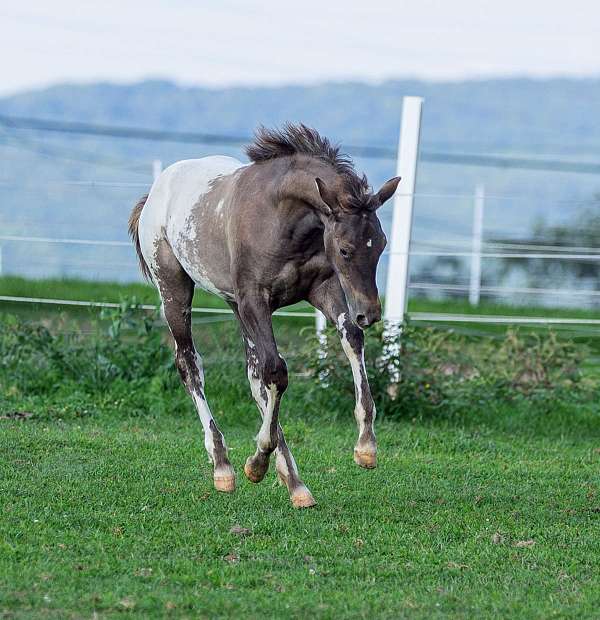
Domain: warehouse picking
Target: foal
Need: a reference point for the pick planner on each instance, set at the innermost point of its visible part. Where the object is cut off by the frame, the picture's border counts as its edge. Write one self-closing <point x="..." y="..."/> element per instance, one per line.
<point x="297" y="223"/>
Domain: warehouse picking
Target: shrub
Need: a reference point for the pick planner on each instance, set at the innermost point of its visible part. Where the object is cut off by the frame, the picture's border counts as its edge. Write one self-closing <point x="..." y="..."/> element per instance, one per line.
<point x="127" y="358"/>
<point x="124" y="346"/>
<point x="426" y="370"/>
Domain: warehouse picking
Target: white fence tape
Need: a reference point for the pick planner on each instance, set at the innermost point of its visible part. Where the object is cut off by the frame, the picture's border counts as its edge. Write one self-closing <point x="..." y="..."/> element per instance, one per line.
<point x="413" y="316"/>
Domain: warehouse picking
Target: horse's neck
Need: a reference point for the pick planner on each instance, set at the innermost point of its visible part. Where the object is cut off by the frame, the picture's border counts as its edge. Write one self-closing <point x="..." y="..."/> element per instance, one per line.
<point x="300" y="227"/>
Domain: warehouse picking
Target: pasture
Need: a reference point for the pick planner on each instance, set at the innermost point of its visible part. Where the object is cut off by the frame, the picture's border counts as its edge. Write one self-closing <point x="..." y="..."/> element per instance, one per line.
<point x="477" y="516"/>
<point x="490" y="508"/>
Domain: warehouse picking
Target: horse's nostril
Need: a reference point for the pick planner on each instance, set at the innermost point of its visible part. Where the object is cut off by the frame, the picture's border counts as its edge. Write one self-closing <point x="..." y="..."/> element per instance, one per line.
<point x="361" y="320"/>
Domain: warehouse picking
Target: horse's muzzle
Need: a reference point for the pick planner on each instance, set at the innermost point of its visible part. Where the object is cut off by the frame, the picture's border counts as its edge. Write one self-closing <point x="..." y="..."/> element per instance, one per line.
<point x="366" y="317"/>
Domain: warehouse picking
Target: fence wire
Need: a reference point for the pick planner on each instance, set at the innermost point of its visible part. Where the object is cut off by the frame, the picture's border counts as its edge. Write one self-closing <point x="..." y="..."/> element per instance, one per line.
<point x="14" y="135"/>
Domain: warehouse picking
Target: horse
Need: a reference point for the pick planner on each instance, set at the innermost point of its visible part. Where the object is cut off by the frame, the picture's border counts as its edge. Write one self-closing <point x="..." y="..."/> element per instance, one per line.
<point x="296" y="223"/>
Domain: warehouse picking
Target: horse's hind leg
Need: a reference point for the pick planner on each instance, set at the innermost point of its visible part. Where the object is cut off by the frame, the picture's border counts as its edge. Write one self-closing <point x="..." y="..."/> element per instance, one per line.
<point x="176" y="291"/>
<point x="287" y="472"/>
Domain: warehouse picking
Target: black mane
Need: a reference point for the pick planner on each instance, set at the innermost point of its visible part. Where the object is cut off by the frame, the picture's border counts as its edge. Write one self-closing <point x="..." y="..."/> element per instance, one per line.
<point x="299" y="139"/>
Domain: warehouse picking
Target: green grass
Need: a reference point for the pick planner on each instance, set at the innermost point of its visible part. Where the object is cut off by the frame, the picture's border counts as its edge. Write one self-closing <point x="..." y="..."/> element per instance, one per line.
<point x="61" y="288"/>
<point x="73" y="289"/>
<point x="87" y="290"/>
<point x="111" y="514"/>
<point x="108" y="507"/>
<point x="459" y="306"/>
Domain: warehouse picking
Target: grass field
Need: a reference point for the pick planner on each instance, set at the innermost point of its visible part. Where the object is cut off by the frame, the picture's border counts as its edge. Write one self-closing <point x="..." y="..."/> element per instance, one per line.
<point x="467" y="517"/>
<point x="492" y="510"/>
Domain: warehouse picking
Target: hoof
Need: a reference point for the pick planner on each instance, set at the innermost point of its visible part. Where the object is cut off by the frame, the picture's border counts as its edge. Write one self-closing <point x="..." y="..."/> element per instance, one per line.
<point x="253" y="473"/>
<point x="302" y="498"/>
<point x="225" y="483"/>
<point x="368" y="460"/>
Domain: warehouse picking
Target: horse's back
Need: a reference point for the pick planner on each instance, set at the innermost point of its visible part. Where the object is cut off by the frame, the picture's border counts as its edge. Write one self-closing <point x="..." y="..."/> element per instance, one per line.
<point x="180" y="186"/>
<point x="172" y="198"/>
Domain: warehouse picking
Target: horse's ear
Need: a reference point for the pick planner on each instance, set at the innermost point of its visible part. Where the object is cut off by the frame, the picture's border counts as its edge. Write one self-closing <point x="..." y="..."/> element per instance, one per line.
<point x="327" y="196"/>
<point x="387" y="190"/>
<point x="311" y="190"/>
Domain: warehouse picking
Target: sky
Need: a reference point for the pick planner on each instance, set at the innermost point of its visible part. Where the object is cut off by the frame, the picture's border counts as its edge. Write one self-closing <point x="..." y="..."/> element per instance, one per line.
<point x="236" y="42"/>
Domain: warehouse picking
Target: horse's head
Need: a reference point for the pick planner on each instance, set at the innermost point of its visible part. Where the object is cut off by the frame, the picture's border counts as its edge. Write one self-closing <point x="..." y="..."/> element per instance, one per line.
<point x="354" y="241"/>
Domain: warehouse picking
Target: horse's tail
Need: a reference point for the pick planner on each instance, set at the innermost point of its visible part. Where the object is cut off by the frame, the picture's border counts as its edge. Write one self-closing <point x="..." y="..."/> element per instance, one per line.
<point x="134" y="221"/>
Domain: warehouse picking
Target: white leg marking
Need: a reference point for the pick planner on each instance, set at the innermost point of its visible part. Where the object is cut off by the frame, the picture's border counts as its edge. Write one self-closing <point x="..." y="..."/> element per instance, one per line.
<point x="359" y="373"/>
<point x="282" y="465"/>
<point x="206" y="418"/>
<point x="263" y="438"/>
<point x="265" y="398"/>
<point x="203" y="409"/>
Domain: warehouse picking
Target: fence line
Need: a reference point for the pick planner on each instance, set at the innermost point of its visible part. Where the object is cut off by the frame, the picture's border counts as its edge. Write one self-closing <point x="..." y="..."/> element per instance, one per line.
<point x="366" y="151"/>
<point x="525" y="246"/>
<point x="433" y="286"/>
<point x="499" y="290"/>
<point x="482" y="318"/>
<point x="109" y="304"/>
<point x="18" y="238"/>
<point x="435" y="244"/>
<point x="507" y="255"/>
<point x="86" y="184"/>
<point x="413" y="316"/>
<point x="147" y="185"/>
<point x="65" y="241"/>
<point x="509" y="246"/>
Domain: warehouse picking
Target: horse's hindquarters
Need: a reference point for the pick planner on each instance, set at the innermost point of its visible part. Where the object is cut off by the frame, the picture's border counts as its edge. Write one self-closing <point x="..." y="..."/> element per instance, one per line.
<point x="187" y="207"/>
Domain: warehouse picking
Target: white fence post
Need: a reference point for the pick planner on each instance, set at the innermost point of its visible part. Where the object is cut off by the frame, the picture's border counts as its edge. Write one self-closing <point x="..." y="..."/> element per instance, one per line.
<point x="156" y="169"/>
<point x="320" y="321"/>
<point x="396" y="291"/>
<point x="320" y="324"/>
<point x="475" y="282"/>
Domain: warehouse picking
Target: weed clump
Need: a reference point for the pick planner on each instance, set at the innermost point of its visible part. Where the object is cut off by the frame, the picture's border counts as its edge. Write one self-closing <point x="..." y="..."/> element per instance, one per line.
<point x="127" y="358"/>
<point x="428" y="370"/>
<point x="124" y="345"/>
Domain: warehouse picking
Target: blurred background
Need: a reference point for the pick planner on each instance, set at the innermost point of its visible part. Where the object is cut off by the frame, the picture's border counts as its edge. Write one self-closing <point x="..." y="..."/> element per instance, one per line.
<point x="95" y="98"/>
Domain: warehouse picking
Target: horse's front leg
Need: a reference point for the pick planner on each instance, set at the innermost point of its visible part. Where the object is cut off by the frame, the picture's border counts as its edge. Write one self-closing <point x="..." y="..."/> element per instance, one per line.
<point x="330" y="299"/>
<point x="352" y="338"/>
<point x="268" y="377"/>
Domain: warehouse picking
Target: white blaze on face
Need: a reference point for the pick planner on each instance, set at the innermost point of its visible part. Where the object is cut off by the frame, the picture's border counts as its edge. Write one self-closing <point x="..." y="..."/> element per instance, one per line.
<point x="370" y="243"/>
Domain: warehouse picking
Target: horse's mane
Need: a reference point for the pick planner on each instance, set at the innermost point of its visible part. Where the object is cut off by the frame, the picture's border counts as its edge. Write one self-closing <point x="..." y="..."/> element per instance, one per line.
<point x="299" y="139"/>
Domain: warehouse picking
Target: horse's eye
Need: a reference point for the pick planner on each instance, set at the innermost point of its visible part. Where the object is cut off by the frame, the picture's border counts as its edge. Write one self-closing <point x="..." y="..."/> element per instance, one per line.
<point x="344" y="253"/>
